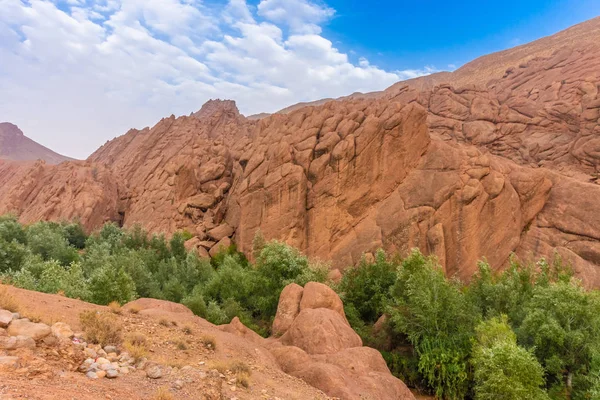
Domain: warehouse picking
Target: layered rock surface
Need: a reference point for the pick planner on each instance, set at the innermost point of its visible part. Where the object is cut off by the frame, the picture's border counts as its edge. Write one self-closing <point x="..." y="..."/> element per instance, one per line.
<point x="487" y="164"/>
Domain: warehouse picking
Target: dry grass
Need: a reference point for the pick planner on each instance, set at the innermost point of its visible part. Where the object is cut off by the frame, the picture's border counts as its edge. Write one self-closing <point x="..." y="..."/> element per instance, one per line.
<point x="181" y="345"/>
<point x="61" y="293"/>
<point x="164" y="322"/>
<point x="101" y="327"/>
<point x="243" y="379"/>
<point x="163" y="393"/>
<point x="8" y="301"/>
<point x="188" y="330"/>
<point x="209" y="342"/>
<point x="115" y="307"/>
<point x="239" y="367"/>
<point x="135" y="345"/>
<point x="220" y="366"/>
<point x="137" y="338"/>
<point x="134" y="309"/>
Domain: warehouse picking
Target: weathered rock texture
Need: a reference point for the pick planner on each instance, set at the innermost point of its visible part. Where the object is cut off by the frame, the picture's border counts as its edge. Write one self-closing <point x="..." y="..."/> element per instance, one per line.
<point x="500" y="156"/>
<point x="14" y="145"/>
<point x="320" y="347"/>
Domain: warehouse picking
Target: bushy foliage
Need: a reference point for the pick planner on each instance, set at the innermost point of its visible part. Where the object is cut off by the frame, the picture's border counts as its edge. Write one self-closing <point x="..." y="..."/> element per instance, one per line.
<point x="437" y="319"/>
<point x="366" y="287"/>
<point x="562" y="322"/>
<point x="503" y="367"/>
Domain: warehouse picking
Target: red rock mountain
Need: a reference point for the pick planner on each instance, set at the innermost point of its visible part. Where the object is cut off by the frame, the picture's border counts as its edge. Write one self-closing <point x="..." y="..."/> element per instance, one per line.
<point x="14" y="145"/>
<point x="498" y="157"/>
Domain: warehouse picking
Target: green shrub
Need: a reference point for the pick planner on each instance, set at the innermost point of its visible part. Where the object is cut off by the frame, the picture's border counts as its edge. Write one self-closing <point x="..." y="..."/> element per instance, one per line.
<point x="438" y="321"/>
<point x="502" y="367"/>
<point x="366" y="287"/>
<point x="109" y="284"/>
<point x="563" y="323"/>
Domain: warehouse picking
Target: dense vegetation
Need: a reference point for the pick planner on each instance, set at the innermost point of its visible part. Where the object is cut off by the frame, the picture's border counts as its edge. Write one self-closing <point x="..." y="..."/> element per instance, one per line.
<point x="121" y="265"/>
<point x="530" y="332"/>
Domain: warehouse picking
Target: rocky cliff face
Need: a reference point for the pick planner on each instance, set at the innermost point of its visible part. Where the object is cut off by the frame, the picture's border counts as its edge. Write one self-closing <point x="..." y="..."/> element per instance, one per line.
<point x="462" y="170"/>
<point x="14" y="145"/>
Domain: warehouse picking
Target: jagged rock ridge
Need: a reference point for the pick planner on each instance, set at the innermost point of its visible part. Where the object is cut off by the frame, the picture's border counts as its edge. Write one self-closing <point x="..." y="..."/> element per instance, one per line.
<point x="463" y="171"/>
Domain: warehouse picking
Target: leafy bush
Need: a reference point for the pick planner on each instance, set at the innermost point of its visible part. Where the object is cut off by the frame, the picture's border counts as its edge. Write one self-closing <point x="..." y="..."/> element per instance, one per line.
<point x="438" y="321"/>
<point x="502" y="367"/>
<point x="366" y="287"/>
<point x="563" y="323"/>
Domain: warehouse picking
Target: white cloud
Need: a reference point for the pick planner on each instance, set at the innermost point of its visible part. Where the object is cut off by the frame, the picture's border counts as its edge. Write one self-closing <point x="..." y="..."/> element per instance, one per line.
<point x="75" y="73"/>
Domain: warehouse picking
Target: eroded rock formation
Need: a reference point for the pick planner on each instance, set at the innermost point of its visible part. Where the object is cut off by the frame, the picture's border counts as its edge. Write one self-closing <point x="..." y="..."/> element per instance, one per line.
<point x="483" y="165"/>
<point x="320" y="347"/>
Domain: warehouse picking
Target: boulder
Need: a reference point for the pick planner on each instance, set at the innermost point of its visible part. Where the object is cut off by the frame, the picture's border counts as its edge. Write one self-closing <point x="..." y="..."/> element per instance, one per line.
<point x="202" y="201"/>
<point x="5" y="318"/>
<point x="334" y="275"/>
<point x="24" y="327"/>
<point x="320" y="331"/>
<point x="318" y="295"/>
<point x="16" y="342"/>
<point x="223" y="244"/>
<point x="287" y="309"/>
<point x="62" y="330"/>
<point x="220" y="232"/>
<point x="291" y="358"/>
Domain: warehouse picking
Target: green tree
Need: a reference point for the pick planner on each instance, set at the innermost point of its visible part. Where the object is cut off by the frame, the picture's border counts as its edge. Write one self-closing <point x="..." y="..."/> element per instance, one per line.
<point x="366" y="287"/>
<point x="111" y="283"/>
<point x="503" y="370"/>
<point x="563" y="323"/>
<point x="438" y="321"/>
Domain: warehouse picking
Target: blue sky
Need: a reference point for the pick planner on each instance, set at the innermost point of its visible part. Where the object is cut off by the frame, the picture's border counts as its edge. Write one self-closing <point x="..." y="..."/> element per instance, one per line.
<point x="75" y="73"/>
<point x="410" y="34"/>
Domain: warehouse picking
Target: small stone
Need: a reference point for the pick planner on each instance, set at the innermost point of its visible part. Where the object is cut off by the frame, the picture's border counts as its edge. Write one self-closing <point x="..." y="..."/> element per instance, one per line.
<point x="92" y="375"/>
<point x="3" y="332"/>
<point x="124" y="370"/>
<point x="94" y="367"/>
<point x="16" y="315"/>
<point x="102" y="353"/>
<point x="202" y="375"/>
<point x="113" y="357"/>
<point x="112" y="374"/>
<point x="60" y="329"/>
<point x="233" y="388"/>
<point x="110" y="349"/>
<point x="50" y="340"/>
<point x="178" y="384"/>
<point x="154" y="372"/>
<point x="106" y="367"/>
<point x="89" y="352"/>
<point x="101" y="374"/>
<point x="9" y="361"/>
<point x="201" y="363"/>
<point x="102" y="360"/>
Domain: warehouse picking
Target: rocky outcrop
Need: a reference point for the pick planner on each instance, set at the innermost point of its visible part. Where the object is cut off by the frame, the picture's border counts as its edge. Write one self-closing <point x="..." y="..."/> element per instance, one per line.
<point x="320" y="347"/>
<point x="500" y="159"/>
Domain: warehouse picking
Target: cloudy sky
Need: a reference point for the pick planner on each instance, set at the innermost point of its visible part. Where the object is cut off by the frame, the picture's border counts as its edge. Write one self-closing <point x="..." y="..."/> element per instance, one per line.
<point x="75" y="73"/>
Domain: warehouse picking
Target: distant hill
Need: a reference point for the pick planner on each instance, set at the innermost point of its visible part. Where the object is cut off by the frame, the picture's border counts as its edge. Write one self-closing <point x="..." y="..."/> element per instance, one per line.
<point x="14" y="145"/>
